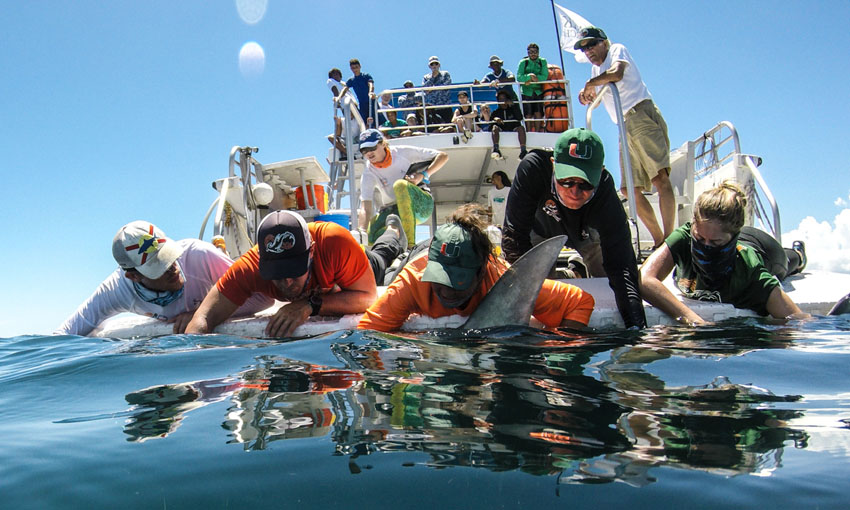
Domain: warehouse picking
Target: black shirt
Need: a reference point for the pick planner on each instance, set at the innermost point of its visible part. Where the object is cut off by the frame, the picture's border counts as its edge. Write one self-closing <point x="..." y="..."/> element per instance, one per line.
<point x="533" y="206"/>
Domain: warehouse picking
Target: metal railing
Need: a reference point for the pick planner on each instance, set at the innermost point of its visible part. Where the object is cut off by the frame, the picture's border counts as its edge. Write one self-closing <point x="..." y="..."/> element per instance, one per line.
<point x="611" y="88"/>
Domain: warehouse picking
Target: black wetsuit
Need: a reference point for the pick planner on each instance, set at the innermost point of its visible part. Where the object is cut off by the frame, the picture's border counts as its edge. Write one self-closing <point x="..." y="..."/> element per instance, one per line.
<point x="598" y="230"/>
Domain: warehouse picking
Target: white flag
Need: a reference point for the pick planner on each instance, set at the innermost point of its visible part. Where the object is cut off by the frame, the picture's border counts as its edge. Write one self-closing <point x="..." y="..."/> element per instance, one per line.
<point x="571" y="24"/>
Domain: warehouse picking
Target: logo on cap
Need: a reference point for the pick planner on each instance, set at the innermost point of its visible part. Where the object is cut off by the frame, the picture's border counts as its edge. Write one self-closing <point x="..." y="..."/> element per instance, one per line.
<point x="148" y="243"/>
<point x="450" y="250"/>
<point x="587" y="153"/>
<point x="279" y="243"/>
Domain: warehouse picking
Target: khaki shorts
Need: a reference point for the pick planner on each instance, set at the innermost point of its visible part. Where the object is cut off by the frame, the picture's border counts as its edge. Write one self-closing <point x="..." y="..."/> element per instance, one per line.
<point x="649" y="146"/>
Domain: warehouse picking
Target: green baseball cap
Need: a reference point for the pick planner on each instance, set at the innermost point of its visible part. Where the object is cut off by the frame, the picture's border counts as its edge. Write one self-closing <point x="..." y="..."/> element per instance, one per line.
<point x="452" y="260"/>
<point x="579" y="153"/>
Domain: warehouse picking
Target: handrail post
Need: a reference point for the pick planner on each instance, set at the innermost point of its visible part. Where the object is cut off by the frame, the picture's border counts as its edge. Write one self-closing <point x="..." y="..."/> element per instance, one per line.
<point x="624" y="147"/>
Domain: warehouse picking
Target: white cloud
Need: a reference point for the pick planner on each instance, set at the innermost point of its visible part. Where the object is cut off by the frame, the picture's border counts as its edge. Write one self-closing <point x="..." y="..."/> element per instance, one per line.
<point x="840" y="202"/>
<point x="827" y="245"/>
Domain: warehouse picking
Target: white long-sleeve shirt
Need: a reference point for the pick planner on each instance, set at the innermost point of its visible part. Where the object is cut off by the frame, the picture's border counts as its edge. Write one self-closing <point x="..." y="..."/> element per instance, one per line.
<point x="202" y="265"/>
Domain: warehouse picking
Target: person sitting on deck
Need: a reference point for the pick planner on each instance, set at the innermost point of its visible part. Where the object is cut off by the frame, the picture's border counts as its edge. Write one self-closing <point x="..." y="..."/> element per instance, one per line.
<point x="499" y="75"/>
<point x="718" y="259"/>
<point x="507" y="117"/>
<point x="318" y="268"/>
<point x="403" y="185"/>
<point x="465" y="116"/>
<point x="438" y="78"/>
<point x="339" y="91"/>
<point x="393" y="126"/>
<point x="456" y="273"/>
<point x="484" y="123"/>
<point x="162" y="278"/>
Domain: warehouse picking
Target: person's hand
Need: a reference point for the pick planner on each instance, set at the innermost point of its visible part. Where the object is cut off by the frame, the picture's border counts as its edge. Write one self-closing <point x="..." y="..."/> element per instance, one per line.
<point x="414" y="178"/>
<point x="181" y="321"/>
<point x="289" y="317"/>
<point x="532" y="77"/>
<point x="476" y="82"/>
<point x="587" y="94"/>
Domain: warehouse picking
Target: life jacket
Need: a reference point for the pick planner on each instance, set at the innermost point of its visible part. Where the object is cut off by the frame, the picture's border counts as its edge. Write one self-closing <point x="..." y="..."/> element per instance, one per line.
<point x="555" y="111"/>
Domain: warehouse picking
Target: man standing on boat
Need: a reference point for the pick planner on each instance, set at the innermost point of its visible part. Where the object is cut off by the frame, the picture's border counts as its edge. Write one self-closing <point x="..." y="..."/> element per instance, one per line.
<point x="499" y="77"/>
<point x="402" y="173"/>
<point x="162" y="278"/>
<point x="438" y="78"/>
<point x="364" y="88"/>
<point x="456" y="275"/>
<point x="646" y="131"/>
<point x="531" y="70"/>
<point x="569" y="192"/>
<point x="317" y="268"/>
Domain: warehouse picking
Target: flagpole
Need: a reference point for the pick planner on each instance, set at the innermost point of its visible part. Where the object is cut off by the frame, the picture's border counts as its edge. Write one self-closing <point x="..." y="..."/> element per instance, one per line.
<point x="558" y="35"/>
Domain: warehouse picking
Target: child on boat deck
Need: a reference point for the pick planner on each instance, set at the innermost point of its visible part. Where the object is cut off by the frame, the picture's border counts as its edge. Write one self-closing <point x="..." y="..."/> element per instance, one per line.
<point x="465" y="116"/>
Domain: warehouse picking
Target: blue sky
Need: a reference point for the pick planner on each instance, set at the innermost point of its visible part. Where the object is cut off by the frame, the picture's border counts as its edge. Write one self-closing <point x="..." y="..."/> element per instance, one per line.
<point x="117" y="111"/>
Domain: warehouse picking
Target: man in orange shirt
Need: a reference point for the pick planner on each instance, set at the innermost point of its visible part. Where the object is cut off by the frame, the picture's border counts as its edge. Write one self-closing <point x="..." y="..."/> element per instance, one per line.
<point x="456" y="275"/>
<point x="317" y="268"/>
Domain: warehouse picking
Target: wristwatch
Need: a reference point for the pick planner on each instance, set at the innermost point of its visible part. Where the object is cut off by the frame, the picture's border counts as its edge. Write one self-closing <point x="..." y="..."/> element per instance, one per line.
<point x="315" y="301"/>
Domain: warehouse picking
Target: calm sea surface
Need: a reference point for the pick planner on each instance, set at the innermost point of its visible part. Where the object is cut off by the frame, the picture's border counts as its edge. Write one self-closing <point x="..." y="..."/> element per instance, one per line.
<point x="747" y="414"/>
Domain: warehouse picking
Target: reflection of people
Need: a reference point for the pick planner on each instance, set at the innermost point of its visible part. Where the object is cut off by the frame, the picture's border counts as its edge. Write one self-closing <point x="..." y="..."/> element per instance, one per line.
<point x="319" y="269"/>
<point x="569" y="192"/>
<point x="497" y="197"/>
<point x="405" y="191"/>
<point x="646" y="131"/>
<point x="714" y="263"/>
<point x="157" y="277"/>
<point x="456" y="275"/>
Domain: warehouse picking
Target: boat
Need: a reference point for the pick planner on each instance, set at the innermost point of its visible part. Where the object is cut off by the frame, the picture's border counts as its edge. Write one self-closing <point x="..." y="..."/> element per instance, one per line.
<point x="252" y="189"/>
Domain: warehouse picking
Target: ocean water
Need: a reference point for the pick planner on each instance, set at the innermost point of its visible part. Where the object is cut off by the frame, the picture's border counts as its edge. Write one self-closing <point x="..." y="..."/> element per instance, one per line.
<point x="745" y="414"/>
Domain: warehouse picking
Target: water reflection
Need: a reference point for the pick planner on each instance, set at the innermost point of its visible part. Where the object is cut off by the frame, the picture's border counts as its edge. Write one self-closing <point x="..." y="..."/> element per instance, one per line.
<point x="586" y="409"/>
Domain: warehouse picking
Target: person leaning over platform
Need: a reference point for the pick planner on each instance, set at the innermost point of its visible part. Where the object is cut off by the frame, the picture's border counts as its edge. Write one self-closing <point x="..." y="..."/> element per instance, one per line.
<point x="405" y="191"/>
<point x="646" y="131"/>
<point x="456" y="273"/>
<point x="568" y="191"/>
<point x="718" y="259"/>
<point x="157" y="277"/>
<point x="318" y="268"/>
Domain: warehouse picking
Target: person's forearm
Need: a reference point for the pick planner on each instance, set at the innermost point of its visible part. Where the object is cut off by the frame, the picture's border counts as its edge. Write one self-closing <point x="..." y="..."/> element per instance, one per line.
<point x="656" y="294"/>
<point x="347" y="302"/>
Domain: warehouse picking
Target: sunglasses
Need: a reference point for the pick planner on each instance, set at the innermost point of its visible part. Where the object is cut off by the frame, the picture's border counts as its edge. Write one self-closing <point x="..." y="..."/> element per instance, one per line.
<point x="433" y="64"/>
<point x="366" y="150"/>
<point x="590" y="45"/>
<point x="582" y="185"/>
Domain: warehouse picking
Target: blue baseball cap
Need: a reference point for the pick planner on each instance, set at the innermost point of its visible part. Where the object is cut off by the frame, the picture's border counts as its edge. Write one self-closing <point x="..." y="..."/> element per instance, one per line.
<point x="370" y="138"/>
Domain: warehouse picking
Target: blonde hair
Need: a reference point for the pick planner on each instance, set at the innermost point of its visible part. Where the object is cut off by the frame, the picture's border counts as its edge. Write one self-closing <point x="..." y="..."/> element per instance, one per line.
<point x="726" y="204"/>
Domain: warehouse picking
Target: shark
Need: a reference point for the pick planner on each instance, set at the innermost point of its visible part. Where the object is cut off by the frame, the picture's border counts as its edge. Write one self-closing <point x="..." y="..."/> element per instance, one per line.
<point x="511" y="300"/>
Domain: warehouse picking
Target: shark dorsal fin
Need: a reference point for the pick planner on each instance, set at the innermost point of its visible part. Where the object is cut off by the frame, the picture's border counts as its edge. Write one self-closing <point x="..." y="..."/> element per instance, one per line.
<point x="511" y="300"/>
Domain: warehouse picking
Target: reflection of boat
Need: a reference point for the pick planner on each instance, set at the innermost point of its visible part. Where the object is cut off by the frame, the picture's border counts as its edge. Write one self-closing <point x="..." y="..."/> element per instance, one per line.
<point x="252" y="189"/>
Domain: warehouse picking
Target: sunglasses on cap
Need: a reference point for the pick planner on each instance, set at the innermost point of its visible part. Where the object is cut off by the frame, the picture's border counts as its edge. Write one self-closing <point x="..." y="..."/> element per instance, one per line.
<point x="591" y="44"/>
<point x="580" y="184"/>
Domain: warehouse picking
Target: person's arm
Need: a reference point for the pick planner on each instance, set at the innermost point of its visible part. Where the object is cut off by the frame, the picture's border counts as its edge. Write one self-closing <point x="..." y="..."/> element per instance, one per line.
<point x="354" y="298"/>
<point x="521" y="75"/>
<point x="652" y="288"/>
<point x="521" y="205"/>
<point x="779" y="305"/>
<point x="543" y="75"/>
<point x="214" y="310"/>
<point x="437" y="163"/>
<point x="364" y="214"/>
<point x="180" y="322"/>
<point x="612" y="75"/>
<point x="111" y="297"/>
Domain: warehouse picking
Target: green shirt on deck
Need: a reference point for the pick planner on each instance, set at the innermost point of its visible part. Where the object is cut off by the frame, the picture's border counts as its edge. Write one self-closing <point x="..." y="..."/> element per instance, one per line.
<point x="537" y="67"/>
<point x="749" y="287"/>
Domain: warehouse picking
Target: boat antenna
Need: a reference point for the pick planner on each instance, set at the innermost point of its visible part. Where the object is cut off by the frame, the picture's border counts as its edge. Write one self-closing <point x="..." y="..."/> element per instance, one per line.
<point x="558" y="38"/>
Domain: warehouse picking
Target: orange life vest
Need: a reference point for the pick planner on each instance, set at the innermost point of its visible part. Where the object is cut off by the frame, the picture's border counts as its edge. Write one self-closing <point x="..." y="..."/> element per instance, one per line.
<point x="555" y="111"/>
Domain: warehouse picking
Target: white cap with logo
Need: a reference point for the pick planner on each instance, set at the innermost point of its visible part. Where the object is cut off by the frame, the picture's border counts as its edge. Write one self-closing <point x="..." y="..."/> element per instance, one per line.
<point x="141" y="246"/>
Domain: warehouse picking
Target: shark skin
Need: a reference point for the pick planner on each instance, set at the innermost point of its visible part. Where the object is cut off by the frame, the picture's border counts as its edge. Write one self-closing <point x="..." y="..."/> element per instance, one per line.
<point x="511" y="300"/>
<point x="841" y="307"/>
